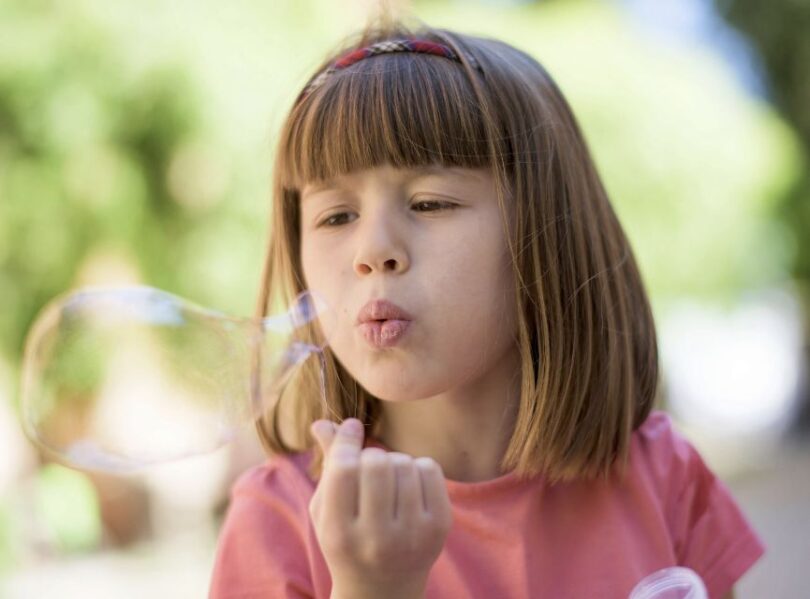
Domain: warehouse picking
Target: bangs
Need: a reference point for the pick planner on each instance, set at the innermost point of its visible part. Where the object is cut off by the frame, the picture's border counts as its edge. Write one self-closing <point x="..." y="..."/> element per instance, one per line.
<point x="401" y="109"/>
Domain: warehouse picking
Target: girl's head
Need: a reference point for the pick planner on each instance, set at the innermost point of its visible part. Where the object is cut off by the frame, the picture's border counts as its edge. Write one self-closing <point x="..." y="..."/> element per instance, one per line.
<point x="463" y="191"/>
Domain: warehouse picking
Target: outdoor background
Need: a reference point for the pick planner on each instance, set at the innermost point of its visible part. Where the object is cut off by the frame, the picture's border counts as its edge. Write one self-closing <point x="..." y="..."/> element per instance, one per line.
<point x="136" y="148"/>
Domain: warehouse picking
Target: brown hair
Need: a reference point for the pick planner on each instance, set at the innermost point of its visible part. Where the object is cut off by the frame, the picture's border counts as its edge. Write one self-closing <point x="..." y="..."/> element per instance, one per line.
<point x="586" y="338"/>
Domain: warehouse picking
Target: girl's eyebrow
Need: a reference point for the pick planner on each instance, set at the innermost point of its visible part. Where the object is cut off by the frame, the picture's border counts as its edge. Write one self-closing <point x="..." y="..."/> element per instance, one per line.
<point x="419" y="172"/>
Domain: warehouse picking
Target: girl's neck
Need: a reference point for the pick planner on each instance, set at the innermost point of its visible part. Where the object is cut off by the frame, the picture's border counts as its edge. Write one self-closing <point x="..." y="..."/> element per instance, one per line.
<point x="466" y="431"/>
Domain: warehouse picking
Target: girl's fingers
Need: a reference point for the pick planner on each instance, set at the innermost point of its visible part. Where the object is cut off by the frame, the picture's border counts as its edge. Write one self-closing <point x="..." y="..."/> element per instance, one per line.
<point x="341" y="472"/>
<point x="377" y="488"/>
<point x="409" y="503"/>
<point x="374" y="485"/>
<point x="346" y="443"/>
<point x="324" y="432"/>
<point x="434" y="491"/>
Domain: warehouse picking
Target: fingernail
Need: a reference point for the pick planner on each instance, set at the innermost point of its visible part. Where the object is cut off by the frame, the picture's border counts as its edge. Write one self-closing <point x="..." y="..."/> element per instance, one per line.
<point x="353" y="426"/>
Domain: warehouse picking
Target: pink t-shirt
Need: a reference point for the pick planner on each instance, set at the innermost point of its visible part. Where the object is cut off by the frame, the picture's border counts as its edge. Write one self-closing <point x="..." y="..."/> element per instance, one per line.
<point x="512" y="539"/>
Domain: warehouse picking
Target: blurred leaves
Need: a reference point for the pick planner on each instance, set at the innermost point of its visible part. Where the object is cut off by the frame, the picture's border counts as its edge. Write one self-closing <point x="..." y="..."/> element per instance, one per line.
<point x="134" y="144"/>
<point x="780" y="31"/>
<point x="67" y="505"/>
<point x="694" y="167"/>
<point x="87" y="148"/>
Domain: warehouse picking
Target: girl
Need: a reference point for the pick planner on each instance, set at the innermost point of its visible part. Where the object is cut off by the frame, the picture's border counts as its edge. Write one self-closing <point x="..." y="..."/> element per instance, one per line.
<point x="493" y="359"/>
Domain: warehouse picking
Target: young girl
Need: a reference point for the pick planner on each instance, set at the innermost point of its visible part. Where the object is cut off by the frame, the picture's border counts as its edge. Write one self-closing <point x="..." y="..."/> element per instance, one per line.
<point x="492" y="360"/>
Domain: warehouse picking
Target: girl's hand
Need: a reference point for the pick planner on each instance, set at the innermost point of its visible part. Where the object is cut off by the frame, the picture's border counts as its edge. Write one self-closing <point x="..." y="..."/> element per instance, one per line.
<point x="381" y="518"/>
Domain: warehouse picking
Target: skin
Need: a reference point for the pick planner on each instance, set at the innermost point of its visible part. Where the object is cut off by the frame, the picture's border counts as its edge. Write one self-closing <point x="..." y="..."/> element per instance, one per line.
<point x="435" y="246"/>
<point x="381" y="518"/>
<point x="451" y="386"/>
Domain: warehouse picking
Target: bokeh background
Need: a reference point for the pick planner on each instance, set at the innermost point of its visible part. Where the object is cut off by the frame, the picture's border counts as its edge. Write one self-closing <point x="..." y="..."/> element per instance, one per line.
<point x="136" y="147"/>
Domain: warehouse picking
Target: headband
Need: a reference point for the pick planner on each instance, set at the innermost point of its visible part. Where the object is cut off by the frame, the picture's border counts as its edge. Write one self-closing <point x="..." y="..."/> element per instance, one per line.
<point x="403" y="45"/>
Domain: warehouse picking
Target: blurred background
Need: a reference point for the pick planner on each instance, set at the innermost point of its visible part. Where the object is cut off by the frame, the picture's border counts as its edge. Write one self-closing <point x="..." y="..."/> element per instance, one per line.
<point x="135" y="148"/>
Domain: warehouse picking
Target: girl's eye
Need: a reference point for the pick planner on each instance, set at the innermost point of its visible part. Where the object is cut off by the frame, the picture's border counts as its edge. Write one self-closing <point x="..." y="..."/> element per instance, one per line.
<point x="332" y="221"/>
<point x="434" y="203"/>
<point x="329" y="222"/>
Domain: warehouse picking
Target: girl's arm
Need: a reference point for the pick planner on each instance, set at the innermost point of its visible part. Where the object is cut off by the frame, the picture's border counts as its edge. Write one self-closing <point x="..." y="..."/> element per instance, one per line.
<point x="729" y="595"/>
<point x="261" y="549"/>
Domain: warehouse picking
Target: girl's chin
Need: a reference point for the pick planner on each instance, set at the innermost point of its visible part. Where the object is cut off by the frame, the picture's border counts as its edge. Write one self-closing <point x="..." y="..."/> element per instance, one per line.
<point x="381" y="388"/>
<point x="386" y="392"/>
<point x="409" y="389"/>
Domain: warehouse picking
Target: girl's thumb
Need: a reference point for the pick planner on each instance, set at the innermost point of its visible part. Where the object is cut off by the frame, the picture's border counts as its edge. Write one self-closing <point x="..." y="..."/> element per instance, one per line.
<point x="324" y="432"/>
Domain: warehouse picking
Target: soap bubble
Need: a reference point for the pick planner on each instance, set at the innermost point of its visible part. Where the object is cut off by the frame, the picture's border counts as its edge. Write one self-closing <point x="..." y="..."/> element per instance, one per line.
<point x="676" y="582"/>
<point x="117" y="379"/>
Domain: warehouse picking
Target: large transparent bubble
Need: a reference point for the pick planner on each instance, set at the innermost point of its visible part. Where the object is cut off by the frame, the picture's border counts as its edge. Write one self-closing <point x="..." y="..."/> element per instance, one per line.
<point x="117" y="379"/>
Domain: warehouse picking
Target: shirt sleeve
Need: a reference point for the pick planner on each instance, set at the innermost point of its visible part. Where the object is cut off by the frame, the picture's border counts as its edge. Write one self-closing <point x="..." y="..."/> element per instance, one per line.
<point x="711" y="534"/>
<point x="261" y="551"/>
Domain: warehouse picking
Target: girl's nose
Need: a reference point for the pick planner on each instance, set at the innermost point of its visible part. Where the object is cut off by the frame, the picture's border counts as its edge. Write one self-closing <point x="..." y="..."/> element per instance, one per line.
<point x="366" y="267"/>
<point x="381" y="247"/>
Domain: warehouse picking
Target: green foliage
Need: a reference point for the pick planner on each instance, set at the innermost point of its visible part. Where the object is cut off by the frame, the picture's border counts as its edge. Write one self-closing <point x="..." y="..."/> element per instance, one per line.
<point x="66" y="503"/>
<point x="693" y="166"/>
<point x="779" y="32"/>
<point x="85" y="148"/>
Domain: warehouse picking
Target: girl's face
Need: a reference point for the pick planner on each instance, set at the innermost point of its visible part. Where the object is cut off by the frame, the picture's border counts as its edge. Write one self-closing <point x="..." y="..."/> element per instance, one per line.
<point x="429" y="240"/>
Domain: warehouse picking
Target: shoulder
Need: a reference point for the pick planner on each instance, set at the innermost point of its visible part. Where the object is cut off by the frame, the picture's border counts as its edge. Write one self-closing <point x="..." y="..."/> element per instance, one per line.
<point x="664" y="452"/>
<point x="268" y="502"/>
<point x="709" y="531"/>
<point x="280" y="479"/>
<point x="658" y="430"/>
<point x="263" y="543"/>
<point x="670" y="464"/>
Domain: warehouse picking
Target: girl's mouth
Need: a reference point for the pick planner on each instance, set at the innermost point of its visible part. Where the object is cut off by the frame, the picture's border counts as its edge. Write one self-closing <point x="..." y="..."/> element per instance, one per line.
<point x="384" y="333"/>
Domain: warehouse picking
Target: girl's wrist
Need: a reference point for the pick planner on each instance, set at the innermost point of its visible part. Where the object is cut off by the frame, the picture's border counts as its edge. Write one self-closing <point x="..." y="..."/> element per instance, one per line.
<point x="387" y="593"/>
<point x="412" y="589"/>
<point x="372" y="594"/>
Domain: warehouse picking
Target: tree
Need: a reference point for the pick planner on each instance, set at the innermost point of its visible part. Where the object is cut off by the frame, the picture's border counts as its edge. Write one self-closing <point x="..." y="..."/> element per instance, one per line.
<point x="779" y="31"/>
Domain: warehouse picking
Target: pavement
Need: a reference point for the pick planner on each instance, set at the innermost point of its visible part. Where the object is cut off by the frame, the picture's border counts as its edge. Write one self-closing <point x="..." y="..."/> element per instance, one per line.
<point x="776" y="499"/>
